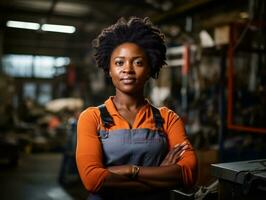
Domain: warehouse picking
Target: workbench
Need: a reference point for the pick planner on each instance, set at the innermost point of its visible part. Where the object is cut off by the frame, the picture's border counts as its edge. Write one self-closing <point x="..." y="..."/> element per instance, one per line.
<point x="241" y="180"/>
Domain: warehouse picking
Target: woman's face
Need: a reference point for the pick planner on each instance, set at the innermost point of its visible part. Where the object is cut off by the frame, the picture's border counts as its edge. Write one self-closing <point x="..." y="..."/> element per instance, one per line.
<point x="129" y="68"/>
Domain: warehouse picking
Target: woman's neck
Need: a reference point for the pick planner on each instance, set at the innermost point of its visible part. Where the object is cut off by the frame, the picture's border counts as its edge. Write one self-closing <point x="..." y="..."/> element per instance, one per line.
<point x="128" y="101"/>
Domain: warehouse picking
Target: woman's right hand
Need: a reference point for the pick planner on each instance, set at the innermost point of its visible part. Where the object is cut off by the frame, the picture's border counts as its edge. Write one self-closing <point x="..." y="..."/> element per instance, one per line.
<point x="175" y="154"/>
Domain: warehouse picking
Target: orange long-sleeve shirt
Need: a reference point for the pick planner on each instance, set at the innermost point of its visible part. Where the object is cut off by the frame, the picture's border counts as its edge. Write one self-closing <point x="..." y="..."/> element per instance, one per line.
<point x="89" y="154"/>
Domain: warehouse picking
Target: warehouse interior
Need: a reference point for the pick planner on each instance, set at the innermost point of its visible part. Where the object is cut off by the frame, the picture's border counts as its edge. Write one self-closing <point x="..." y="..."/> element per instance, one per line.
<point x="215" y="80"/>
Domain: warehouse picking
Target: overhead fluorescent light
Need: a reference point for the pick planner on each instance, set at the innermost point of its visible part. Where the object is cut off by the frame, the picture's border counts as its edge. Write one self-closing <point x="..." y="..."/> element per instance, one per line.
<point x="24" y="25"/>
<point x="44" y="27"/>
<point x="58" y="28"/>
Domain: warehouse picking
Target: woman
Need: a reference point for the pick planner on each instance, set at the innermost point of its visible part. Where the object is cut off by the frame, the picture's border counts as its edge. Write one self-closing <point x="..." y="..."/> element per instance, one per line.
<point x="127" y="148"/>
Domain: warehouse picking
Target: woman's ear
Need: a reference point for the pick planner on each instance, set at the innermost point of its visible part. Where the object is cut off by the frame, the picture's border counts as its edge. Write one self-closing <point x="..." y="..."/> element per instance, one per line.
<point x="110" y="74"/>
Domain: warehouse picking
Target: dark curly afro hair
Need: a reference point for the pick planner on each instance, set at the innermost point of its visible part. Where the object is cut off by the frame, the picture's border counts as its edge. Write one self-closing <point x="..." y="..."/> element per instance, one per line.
<point x="136" y="30"/>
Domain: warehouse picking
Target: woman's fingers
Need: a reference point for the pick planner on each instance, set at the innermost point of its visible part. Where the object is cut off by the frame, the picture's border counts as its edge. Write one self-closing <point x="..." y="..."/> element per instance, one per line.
<point x="177" y="151"/>
<point x="182" y="144"/>
<point x="178" y="156"/>
<point x="175" y="154"/>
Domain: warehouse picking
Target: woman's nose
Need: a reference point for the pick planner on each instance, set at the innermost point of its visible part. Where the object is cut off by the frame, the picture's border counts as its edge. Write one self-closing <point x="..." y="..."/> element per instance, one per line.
<point x="128" y="67"/>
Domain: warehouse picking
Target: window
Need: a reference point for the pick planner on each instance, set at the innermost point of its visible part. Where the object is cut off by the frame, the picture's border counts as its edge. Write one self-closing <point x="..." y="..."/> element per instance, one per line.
<point x="34" y="66"/>
<point x="29" y="90"/>
<point x="45" y="92"/>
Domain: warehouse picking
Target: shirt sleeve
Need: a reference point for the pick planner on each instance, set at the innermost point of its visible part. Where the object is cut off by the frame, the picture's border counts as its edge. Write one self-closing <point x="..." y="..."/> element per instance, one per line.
<point x="176" y="135"/>
<point x="89" y="151"/>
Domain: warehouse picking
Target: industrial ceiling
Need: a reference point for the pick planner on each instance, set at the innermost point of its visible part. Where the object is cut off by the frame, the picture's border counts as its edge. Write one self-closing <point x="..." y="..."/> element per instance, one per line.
<point x="89" y="17"/>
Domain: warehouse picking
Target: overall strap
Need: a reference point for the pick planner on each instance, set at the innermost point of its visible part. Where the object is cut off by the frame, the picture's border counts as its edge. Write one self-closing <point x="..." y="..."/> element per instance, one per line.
<point x="105" y="116"/>
<point x="157" y="117"/>
<point x="108" y="120"/>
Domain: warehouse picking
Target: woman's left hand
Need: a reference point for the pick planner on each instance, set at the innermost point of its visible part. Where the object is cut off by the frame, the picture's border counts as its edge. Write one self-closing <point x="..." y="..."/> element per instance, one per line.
<point x="175" y="154"/>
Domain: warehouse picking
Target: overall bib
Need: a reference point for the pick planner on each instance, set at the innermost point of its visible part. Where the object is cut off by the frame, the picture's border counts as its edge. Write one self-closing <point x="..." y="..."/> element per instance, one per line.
<point x="142" y="147"/>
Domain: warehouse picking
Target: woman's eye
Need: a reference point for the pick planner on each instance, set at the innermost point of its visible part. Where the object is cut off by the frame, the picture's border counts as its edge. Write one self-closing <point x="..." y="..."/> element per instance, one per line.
<point x="138" y="62"/>
<point x="119" y="63"/>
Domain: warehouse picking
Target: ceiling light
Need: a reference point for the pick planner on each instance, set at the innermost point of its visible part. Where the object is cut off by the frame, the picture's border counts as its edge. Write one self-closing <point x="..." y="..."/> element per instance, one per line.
<point x="24" y="25"/>
<point x="58" y="28"/>
<point x="44" y="27"/>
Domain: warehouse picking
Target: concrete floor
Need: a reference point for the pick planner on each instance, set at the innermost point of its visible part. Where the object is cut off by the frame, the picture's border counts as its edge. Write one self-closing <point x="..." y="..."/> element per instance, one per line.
<point x="36" y="179"/>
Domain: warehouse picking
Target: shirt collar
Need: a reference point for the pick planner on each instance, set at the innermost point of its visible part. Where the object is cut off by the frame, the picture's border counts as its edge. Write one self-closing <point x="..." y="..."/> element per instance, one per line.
<point x="112" y="109"/>
<point x="110" y="106"/>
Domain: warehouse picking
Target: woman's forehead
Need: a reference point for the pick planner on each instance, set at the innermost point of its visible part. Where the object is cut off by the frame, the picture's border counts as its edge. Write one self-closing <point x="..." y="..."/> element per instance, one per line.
<point x="128" y="49"/>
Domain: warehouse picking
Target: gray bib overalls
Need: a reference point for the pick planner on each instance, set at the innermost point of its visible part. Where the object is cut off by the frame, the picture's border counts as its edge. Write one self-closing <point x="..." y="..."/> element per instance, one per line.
<point x="142" y="147"/>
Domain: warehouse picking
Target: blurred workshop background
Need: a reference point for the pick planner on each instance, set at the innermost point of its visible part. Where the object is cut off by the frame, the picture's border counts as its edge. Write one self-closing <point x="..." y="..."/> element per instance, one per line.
<point x="215" y="80"/>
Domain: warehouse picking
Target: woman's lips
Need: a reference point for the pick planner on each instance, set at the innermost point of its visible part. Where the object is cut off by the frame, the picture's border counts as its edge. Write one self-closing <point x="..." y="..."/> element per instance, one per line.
<point x="128" y="80"/>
